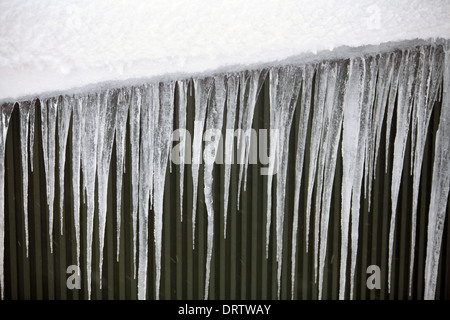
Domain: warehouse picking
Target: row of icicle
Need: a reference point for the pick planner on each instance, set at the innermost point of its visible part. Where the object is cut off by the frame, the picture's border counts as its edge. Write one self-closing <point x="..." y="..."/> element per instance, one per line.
<point x="346" y="99"/>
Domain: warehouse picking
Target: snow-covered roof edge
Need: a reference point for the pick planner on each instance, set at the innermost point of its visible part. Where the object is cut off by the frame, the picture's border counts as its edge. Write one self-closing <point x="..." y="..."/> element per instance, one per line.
<point x="343" y="52"/>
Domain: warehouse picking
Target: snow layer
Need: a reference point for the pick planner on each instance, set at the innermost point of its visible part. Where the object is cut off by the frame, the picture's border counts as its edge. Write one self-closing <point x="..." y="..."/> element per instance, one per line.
<point x="51" y="46"/>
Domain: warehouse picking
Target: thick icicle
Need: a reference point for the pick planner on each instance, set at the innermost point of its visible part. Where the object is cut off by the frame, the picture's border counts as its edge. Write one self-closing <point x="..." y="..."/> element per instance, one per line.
<point x="48" y="125"/>
<point x="321" y="162"/>
<point x="106" y="129"/>
<point x="368" y="90"/>
<point x="214" y="122"/>
<point x="350" y="135"/>
<point x="202" y="88"/>
<point x="424" y="99"/>
<point x="135" y="127"/>
<point x="305" y="106"/>
<point x="440" y="186"/>
<point x="123" y="104"/>
<point x="5" y="114"/>
<point x="77" y="127"/>
<point x="385" y="73"/>
<point x="332" y="135"/>
<point x="404" y="104"/>
<point x="397" y="62"/>
<point x="89" y="133"/>
<point x="182" y="104"/>
<point x="249" y="92"/>
<point x="64" y="113"/>
<point x="162" y="134"/>
<point x="31" y="125"/>
<point x="232" y="93"/>
<point x="316" y="133"/>
<point x="24" y="110"/>
<point x="284" y="89"/>
<point x="148" y="111"/>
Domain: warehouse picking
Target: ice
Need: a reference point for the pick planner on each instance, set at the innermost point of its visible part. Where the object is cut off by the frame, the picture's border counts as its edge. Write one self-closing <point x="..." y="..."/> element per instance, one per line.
<point x="404" y="105"/>
<point x="31" y="123"/>
<point x="305" y="104"/>
<point x="316" y="133"/>
<point x="77" y="127"/>
<point x="182" y="104"/>
<point x="424" y="99"/>
<point x="440" y="186"/>
<point x="368" y="90"/>
<point x="89" y="143"/>
<point x="214" y="122"/>
<point x="354" y="97"/>
<point x="284" y="89"/>
<point x="64" y="114"/>
<point x="24" y="110"/>
<point x="48" y="126"/>
<point x="106" y="129"/>
<point x="123" y="104"/>
<point x="350" y="148"/>
<point x="250" y="85"/>
<point x="202" y="89"/>
<point x="149" y="104"/>
<point x="135" y="127"/>
<point x="232" y="93"/>
<point x="397" y="59"/>
<point x="6" y="110"/>
<point x="328" y="155"/>
<point x="163" y="127"/>
<point x="321" y="162"/>
<point x="385" y="73"/>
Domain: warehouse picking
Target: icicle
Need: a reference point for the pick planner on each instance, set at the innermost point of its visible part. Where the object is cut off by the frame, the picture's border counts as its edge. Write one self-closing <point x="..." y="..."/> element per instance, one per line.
<point x="123" y="104"/>
<point x="248" y="96"/>
<point x="89" y="143"/>
<point x="31" y="122"/>
<point x="284" y="89"/>
<point x="24" y="110"/>
<point x="214" y="122"/>
<point x="162" y="133"/>
<point x="324" y="145"/>
<point x="332" y="134"/>
<point x="397" y="61"/>
<point x="148" y="110"/>
<point x="424" y="99"/>
<point x="300" y="153"/>
<point x="350" y="135"/>
<point x="6" y="110"/>
<point x="440" y="186"/>
<point x="107" y="124"/>
<point x="316" y="133"/>
<point x="232" y="92"/>
<point x="369" y="100"/>
<point x="182" y="104"/>
<point x="48" y="125"/>
<point x="368" y="90"/>
<point x="135" y="127"/>
<point x="64" y="113"/>
<point x="385" y="74"/>
<point x="202" y="89"/>
<point x="406" y="78"/>
<point x="77" y="127"/>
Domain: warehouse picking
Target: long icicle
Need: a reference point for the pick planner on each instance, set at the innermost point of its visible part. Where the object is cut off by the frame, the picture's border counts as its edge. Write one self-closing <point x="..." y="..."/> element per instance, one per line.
<point x="305" y="107"/>
<point x="5" y="114"/>
<point x="440" y="186"/>
<point x="24" y="110"/>
<point x="214" y="122"/>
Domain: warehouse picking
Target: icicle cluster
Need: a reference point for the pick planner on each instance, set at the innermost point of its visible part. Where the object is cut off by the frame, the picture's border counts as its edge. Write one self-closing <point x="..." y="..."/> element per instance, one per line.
<point x="346" y="100"/>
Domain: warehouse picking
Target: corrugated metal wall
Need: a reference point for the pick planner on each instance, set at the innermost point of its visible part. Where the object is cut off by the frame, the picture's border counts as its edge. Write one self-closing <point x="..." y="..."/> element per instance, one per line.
<point x="239" y="268"/>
